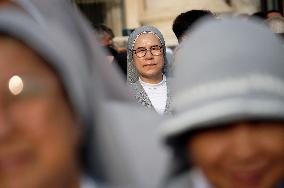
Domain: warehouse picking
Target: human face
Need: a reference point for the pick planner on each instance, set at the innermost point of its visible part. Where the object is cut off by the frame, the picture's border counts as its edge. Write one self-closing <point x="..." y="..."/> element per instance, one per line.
<point x="39" y="136"/>
<point x="150" y="66"/>
<point x="243" y="154"/>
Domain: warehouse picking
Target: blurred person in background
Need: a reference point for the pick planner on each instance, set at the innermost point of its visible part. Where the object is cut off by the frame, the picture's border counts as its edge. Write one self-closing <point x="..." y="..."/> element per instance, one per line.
<point x="259" y="15"/>
<point x="104" y="34"/>
<point x="182" y="25"/>
<point x="186" y="20"/>
<point x="227" y="128"/>
<point x="146" y="65"/>
<point x="115" y="55"/>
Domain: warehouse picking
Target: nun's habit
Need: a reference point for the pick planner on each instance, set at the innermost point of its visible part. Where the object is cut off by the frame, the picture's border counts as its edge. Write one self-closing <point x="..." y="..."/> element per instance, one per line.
<point x="228" y="70"/>
<point x="133" y="75"/>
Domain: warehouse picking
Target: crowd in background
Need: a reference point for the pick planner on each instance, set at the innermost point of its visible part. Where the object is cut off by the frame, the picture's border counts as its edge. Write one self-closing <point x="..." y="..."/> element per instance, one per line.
<point x="76" y="111"/>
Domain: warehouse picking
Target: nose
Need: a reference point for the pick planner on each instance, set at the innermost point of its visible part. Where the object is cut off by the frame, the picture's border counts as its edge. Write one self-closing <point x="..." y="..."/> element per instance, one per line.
<point x="243" y="143"/>
<point x="148" y="54"/>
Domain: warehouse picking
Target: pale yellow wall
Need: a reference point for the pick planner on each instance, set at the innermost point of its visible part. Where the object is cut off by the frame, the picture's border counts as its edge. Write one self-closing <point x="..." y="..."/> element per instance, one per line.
<point x="131" y="12"/>
<point x="161" y="13"/>
<point x="114" y="18"/>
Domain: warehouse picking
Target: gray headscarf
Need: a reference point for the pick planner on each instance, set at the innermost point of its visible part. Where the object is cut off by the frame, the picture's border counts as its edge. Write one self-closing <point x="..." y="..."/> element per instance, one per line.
<point x="236" y="72"/>
<point x="132" y="74"/>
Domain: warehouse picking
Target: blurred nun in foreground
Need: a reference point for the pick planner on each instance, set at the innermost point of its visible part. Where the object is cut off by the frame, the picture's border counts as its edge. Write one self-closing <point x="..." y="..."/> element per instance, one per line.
<point x="227" y="130"/>
<point x="54" y="88"/>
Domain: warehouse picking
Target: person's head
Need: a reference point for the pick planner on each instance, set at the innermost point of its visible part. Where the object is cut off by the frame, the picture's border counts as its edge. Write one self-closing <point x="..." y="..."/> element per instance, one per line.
<point x="40" y="132"/>
<point x="146" y="55"/>
<point x="104" y="34"/>
<point x="184" y="21"/>
<point x="43" y="102"/>
<point x="228" y="105"/>
<point x="273" y="13"/>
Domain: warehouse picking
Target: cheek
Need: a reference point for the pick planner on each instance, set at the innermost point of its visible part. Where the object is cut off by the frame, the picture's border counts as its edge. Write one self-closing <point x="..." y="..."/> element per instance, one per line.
<point x="205" y="151"/>
<point x="271" y="145"/>
<point x="48" y="126"/>
<point x="137" y="62"/>
<point x="40" y="116"/>
<point x="50" y="137"/>
<point x="160" y="60"/>
<point x="271" y="139"/>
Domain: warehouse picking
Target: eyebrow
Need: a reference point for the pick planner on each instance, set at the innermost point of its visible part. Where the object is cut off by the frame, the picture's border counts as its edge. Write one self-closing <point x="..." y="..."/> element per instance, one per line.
<point x="146" y="48"/>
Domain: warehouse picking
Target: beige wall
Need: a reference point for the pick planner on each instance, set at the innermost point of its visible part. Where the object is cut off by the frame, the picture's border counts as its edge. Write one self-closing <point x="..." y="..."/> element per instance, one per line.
<point x="114" y="18"/>
<point x="161" y="13"/>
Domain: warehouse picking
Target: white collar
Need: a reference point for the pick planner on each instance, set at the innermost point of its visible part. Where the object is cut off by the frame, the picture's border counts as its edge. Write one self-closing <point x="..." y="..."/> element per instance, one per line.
<point x="153" y="85"/>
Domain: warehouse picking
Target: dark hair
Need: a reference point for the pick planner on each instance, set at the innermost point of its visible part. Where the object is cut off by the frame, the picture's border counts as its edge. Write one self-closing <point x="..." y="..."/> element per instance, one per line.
<point x="186" y="20"/>
<point x="259" y="15"/>
<point x="111" y="51"/>
<point x="101" y="28"/>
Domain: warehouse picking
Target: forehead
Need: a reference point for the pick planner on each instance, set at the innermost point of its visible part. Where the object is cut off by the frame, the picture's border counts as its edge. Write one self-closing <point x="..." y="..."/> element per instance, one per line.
<point x="147" y="40"/>
<point x="16" y="57"/>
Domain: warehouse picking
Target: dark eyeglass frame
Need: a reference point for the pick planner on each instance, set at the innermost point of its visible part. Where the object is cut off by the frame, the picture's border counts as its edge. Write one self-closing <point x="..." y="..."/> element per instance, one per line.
<point x="145" y="50"/>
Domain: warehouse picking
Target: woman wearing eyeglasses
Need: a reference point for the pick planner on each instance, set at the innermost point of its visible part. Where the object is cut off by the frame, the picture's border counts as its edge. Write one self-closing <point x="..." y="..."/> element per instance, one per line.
<point x="146" y="64"/>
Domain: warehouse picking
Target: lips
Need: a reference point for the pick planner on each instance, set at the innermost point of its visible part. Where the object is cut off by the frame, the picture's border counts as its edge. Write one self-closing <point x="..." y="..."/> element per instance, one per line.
<point x="13" y="162"/>
<point x="150" y="65"/>
<point x="247" y="178"/>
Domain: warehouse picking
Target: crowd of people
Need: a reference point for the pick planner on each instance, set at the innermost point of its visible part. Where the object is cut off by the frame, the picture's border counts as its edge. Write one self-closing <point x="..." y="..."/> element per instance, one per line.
<point x="213" y="117"/>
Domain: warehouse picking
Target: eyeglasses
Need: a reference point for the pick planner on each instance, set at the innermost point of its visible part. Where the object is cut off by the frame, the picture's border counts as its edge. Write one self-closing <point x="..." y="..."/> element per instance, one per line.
<point x="154" y="50"/>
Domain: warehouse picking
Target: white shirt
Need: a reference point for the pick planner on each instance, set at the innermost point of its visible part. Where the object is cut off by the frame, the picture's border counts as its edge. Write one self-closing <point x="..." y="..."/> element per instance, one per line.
<point x="157" y="94"/>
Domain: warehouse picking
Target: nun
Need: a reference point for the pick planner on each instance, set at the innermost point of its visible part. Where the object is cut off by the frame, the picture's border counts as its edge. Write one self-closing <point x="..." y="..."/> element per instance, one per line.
<point x="227" y="129"/>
